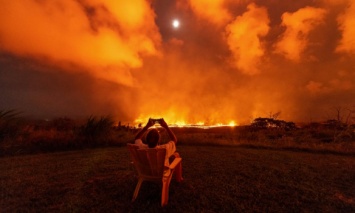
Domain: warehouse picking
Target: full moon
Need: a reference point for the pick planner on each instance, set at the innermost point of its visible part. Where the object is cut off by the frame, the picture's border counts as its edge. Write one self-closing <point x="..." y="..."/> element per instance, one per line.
<point x="176" y="23"/>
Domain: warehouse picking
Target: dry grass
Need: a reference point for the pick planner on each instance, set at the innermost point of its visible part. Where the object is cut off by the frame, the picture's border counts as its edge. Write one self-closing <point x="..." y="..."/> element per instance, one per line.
<point x="225" y="169"/>
<point x="22" y="137"/>
<point x="217" y="179"/>
<point x="297" y="140"/>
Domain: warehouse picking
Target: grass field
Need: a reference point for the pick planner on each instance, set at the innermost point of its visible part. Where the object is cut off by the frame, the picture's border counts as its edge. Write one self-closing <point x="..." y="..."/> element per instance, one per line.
<point x="216" y="179"/>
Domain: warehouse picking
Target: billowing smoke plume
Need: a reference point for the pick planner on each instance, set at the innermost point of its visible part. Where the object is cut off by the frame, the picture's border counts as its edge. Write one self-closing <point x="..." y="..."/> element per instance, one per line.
<point x="298" y="26"/>
<point x="211" y="10"/>
<point x="247" y="48"/>
<point x="346" y="23"/>
<point x="107" y="38"/>
<point x="229" y="60"/>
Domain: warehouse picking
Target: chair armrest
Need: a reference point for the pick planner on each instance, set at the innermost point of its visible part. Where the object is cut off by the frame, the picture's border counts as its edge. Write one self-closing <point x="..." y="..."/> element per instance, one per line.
<point x="175" y="162"/>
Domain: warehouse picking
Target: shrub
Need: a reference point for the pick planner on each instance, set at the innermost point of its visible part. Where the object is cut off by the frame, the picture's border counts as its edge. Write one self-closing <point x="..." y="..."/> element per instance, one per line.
<point x="62" y="124"/>
<point x="9" y="125"/>
<point x="266" y="123"/>
<point x="97" y="130"/>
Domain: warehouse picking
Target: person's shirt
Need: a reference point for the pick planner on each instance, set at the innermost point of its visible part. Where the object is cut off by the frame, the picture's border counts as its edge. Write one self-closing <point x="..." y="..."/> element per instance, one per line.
<point x="170" y="149"/>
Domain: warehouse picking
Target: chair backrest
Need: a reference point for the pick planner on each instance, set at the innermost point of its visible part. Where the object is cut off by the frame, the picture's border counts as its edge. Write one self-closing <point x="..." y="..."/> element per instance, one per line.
<point x="149" y="162"/>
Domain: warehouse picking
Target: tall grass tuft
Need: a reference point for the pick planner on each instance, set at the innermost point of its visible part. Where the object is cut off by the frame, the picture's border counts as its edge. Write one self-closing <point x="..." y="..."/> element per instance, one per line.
<point x="9" y="123"/>
<point x="97" y="130"/>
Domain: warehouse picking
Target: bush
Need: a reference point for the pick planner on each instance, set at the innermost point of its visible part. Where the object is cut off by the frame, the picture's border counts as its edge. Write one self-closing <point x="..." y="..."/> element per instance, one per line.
<point x="267" y="123"/>
<point x="62" y="124"/>
<point x="97" y="130"/>
<point x="9" y="125"/>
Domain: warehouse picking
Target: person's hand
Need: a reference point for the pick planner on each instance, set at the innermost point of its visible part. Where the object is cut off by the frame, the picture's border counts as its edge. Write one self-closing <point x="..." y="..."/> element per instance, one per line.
<point x="170" y="133"/>
<point x="150" y="123"/>
<point x="145" y="128"/>
<point x="163" y="123"/>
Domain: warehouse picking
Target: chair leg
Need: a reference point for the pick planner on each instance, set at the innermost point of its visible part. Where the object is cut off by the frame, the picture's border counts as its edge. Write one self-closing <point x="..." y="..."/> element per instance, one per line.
<point x="165" y="189"/>
<point x="136" y="191"/>
<point x="178" y="172"/>
<point x="165" y="192"/>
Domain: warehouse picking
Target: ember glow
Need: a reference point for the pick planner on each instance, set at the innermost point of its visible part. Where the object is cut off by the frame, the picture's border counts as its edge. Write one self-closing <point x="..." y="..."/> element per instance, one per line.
<point x="222" y="62"/>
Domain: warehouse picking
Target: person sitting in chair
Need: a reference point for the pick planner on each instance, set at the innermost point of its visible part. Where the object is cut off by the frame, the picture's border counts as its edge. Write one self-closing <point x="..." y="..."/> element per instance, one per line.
<point x="152" y="141"/>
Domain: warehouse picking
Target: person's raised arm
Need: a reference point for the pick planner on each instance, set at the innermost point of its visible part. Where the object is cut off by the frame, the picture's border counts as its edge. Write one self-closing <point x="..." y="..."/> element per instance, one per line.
<point x="145" y="128"/>
<point x="170" y="133"/>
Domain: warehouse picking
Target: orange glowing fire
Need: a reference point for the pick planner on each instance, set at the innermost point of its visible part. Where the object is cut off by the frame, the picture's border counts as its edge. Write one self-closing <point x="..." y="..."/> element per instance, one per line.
<point x="184" y="123"/>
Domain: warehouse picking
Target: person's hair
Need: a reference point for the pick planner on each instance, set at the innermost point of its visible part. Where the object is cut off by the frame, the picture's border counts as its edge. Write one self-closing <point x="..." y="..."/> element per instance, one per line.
<point x="152" y="138"/>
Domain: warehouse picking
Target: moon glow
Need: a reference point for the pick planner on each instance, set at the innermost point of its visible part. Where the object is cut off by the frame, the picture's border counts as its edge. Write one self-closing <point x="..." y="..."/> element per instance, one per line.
<point x="176" y="23"/>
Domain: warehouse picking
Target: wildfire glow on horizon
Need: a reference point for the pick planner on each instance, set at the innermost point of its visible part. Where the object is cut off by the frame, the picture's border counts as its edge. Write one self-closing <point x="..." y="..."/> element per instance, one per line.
<point x="180" y="123"/>
<point x="216" y="62"/>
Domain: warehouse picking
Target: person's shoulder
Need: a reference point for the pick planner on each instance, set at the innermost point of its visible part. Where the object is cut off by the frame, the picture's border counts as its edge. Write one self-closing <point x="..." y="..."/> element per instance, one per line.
<point x="139" y="143"/>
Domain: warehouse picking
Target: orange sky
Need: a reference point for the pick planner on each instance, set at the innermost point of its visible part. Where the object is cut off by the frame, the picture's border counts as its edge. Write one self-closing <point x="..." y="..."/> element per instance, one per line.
<point x="230" y="60"/>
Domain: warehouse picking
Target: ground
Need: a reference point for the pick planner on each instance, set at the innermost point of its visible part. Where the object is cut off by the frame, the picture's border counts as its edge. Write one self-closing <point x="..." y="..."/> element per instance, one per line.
<point x="217" y="179"/>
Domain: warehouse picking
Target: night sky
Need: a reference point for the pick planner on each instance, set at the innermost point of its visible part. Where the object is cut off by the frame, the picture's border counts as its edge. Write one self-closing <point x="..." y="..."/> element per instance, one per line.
<point x="229" y="60"/>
